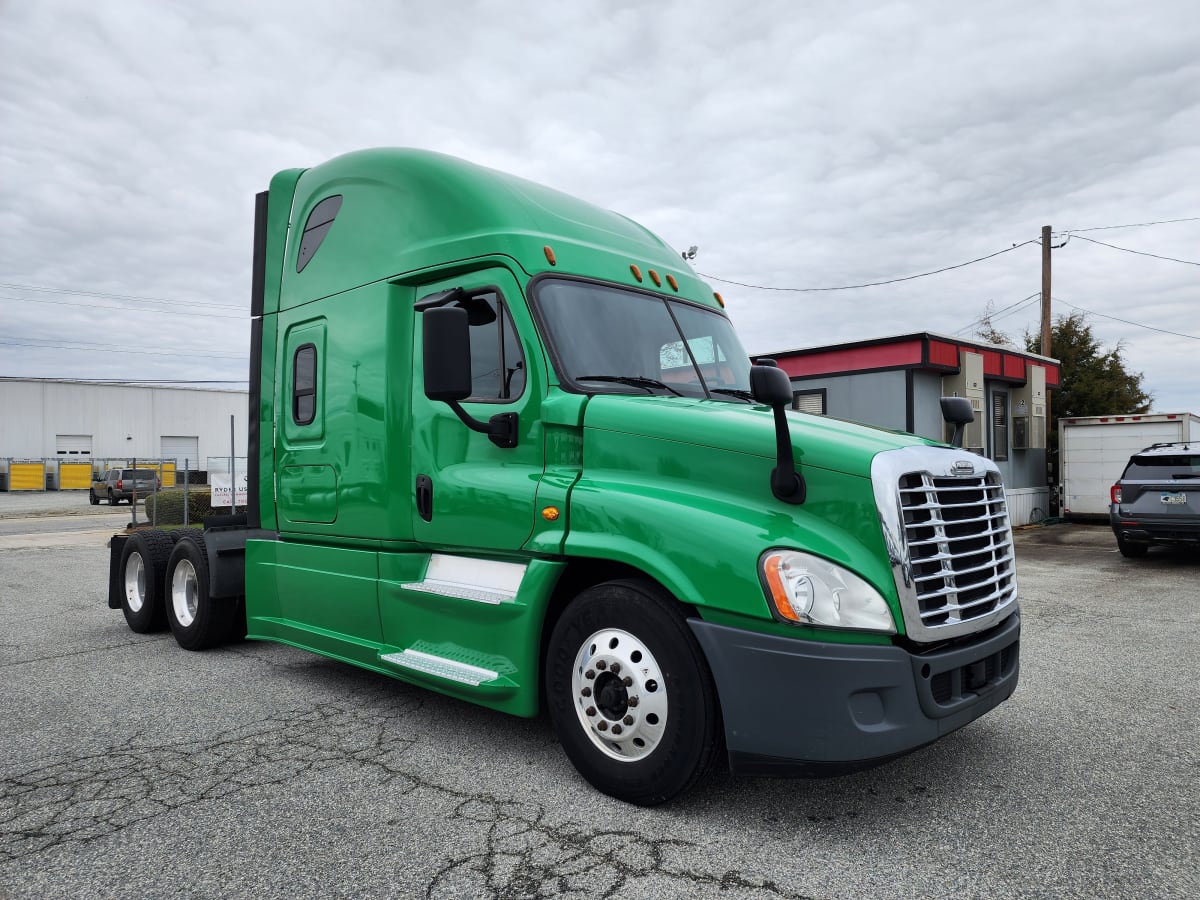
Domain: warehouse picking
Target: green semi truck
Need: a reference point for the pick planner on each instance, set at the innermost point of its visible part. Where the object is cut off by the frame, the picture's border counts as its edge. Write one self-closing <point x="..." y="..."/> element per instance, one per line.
<point x="507" y="446"/>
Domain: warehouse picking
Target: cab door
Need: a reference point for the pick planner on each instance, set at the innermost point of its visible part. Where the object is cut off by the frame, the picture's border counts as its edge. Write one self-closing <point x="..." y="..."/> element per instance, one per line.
<point x="468" y="493"/>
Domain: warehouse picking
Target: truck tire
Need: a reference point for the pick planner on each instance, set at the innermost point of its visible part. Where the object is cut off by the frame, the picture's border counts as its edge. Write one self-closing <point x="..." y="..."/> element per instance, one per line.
<point x="197" y="621"/>
<point x="143" y="577"/>
<point x="112" y="501"/>
<point x="92" y="498"/>
<point x="630" y="693"/>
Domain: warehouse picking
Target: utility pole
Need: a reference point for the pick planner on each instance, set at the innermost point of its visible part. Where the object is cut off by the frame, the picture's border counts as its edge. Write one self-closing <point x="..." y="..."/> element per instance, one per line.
<point x="1045" y="346"/>
<point x="1045" y="290"/>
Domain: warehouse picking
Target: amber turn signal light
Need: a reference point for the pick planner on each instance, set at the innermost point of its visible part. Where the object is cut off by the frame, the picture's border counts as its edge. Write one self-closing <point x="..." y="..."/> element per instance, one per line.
<point x="772" y="567"/>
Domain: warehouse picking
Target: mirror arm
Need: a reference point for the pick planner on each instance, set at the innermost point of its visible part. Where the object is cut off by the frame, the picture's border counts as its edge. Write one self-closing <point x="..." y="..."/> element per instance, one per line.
<point x="501" y="428"/>
<point x="771" y="387"/>
<point x="786" y="483"/>
<point x="441" y="298"/>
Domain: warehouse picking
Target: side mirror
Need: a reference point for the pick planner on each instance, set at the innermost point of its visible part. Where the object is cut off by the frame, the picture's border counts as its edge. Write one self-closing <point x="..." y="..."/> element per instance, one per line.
<point x="771" y="385"/>
<point x="447" y="354"/>
<point x="446" y="346"/>
<point x="957" y="412"/>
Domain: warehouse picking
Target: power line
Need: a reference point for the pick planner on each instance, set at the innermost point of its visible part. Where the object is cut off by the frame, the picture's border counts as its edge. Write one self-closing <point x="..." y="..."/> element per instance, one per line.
<point x="1000" y="313"/>
<point x="849" y="287"/>
<point x="1186" y="262"/>
<point x="41" y="288"/>
<point x="108" y="348"/>
<point x="1132" y="225"/>
<point x="92" y="306"/>
<point x="1125" y="321"/>
<point x="58" y="380"/>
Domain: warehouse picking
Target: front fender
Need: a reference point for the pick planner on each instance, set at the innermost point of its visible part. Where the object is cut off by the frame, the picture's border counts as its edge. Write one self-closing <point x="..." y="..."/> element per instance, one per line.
<point x="702" y="540"/>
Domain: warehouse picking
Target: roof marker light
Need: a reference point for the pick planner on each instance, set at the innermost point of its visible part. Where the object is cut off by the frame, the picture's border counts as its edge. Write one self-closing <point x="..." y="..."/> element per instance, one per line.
<point x="719" y="299"/>
<point x="637" y="273"/>
<point x="550" y="257"/>
<point x="673" y="283"/>
<point x="654" y="277"/>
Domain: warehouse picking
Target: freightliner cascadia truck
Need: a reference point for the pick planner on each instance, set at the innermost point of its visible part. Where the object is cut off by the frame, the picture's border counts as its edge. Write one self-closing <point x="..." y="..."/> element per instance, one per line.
<point x="507" y="446"/>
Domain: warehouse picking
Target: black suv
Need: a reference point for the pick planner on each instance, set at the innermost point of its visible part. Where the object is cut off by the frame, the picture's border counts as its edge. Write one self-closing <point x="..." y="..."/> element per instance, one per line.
<point x="1157" y="500"/>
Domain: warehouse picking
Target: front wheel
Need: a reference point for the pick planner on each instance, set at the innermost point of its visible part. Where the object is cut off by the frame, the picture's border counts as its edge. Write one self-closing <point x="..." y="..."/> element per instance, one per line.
<point x="197" y="621"/>
<point x="630" y="693"/>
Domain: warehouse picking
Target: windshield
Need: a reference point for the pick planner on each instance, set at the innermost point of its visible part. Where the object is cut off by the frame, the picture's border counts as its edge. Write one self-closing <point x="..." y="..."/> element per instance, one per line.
<point x="607" y="339"/>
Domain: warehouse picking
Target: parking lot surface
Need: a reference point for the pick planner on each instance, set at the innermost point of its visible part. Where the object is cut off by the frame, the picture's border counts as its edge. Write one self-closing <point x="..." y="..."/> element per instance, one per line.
<point x="131" y="768"/>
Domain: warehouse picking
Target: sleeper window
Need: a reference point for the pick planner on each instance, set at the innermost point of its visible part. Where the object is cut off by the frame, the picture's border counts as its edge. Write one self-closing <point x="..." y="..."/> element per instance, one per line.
<point x="304" y="385"/>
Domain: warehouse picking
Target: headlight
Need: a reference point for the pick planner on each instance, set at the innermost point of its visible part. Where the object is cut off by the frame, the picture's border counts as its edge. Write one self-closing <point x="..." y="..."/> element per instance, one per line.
<point x="809" y="590"/>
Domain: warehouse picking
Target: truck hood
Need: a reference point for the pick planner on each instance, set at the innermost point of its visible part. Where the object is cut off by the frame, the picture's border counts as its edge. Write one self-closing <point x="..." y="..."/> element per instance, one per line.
<point x="818" y="441"/>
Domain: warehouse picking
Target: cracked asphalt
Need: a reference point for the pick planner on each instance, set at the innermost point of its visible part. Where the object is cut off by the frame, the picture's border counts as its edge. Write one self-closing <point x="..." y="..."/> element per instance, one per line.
<point x="130" y="768"/>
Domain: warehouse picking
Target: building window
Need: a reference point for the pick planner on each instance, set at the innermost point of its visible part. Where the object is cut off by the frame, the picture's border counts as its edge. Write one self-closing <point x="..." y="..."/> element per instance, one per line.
<point x="304" y="385"/>
<point x="319" y="222"/>
<point x="811" y="401"/>
<point x="1000" y="426"/>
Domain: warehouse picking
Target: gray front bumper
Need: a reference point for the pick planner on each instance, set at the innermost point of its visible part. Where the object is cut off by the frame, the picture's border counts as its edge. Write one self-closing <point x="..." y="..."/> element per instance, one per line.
<point x="794" y="707"/>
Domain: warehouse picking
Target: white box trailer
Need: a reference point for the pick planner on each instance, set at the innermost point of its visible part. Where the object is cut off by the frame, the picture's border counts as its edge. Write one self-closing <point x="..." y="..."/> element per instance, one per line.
<point x="1093" y="451"/>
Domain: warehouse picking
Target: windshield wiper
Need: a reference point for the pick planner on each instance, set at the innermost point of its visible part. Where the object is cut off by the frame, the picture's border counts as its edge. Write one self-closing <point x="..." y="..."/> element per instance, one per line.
<point x="632" y="380"/>
<point x="734" y="392"/>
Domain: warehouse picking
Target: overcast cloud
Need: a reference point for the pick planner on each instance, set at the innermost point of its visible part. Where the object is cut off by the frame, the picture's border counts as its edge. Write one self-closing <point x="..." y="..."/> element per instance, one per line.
<point x="798" y="145"/>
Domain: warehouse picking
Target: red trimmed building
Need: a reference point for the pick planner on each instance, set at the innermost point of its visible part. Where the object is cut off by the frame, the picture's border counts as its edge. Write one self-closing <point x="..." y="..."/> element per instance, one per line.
<point x="897" y="382"/>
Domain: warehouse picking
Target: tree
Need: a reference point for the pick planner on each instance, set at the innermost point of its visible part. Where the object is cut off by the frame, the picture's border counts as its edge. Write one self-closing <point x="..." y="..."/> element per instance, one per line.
<point x="987" y="331"/>
<point x="1092" y="381"/>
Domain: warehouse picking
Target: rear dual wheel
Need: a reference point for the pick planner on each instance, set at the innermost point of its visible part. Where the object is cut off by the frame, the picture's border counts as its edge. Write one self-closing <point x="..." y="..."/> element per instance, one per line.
<point x="630" y="693"/>
<point x="143" y="572"/>
<point x="197" y="621"/>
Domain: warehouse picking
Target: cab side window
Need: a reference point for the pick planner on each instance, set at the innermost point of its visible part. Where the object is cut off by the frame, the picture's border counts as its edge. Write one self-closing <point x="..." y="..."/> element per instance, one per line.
<point x="497" y="362"/>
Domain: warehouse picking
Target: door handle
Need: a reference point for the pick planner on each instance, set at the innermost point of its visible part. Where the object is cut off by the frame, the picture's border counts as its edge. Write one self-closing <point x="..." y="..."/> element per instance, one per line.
<point x="425" y="497"/>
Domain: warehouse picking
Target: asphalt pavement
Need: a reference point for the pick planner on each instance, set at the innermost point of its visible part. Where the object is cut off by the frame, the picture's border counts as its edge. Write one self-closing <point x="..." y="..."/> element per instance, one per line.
<point x="131" y="768"/>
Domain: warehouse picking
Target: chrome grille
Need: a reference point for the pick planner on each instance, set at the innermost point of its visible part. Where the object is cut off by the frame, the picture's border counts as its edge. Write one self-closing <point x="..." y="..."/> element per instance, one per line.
<point x="949" y="538"/>
<point x="959" y="547"/>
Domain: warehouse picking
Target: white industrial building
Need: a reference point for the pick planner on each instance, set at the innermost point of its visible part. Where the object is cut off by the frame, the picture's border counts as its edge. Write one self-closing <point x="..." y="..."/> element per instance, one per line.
<point x="71" y="428"/>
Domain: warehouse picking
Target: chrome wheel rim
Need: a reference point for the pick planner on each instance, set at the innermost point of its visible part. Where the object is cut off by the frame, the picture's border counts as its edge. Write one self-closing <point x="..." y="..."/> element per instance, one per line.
<point x="184" y="590"/>
<point x="135" y="582"/>
<point x="620" y="695"/>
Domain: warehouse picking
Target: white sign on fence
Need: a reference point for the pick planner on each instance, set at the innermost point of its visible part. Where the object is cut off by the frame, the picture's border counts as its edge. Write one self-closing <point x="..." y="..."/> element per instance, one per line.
<point x="219" y="482"/>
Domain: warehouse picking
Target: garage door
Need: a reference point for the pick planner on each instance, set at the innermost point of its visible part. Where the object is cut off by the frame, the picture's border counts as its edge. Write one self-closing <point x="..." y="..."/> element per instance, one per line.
<point x="180" y="448"/>
<point x="166" y="473"/>
<point x="25" y="475"/>
<point x="74" y="476"/>
<point x="73" y="446"/>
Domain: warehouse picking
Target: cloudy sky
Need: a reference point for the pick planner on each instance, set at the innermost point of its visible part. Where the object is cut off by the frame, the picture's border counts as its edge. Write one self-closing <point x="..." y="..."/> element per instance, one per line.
<point x="797" y="144"/>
